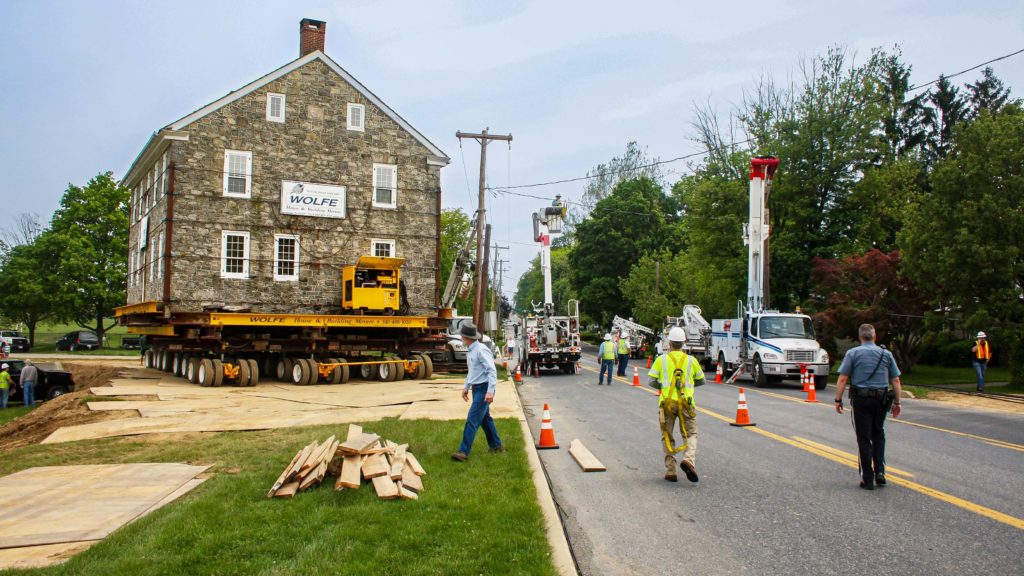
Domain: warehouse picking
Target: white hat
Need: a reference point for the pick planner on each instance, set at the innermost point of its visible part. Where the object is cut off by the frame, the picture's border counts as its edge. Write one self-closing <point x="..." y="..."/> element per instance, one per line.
<point x="4" y="366"/>
<point x="607" y="336"/>
<point x="676" y="334"/>
<point x="981" y="335"/>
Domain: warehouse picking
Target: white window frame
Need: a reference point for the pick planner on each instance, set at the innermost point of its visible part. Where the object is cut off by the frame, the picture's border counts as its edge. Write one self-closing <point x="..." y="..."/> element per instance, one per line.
<point x="152" y="260"/>
<point x="155" y="182"/>
<point x="392" y="247"/>
<point x="143" y="232"/>
<point x="244" y="274"/>
<point x="131" y="267"/>
<point x="394" y="188"/>
<point x="277" y="255"/>
<point x="361" y="127"/>
<point x="248" y="173"/>
<point x="270" y="115"/>
<point x="160" y="256"/>
<point x="163" y="175"/>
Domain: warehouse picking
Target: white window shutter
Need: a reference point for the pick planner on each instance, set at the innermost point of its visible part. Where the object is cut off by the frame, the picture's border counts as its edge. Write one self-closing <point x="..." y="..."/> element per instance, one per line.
<point x="248" y="175"/>
<point x="227" y="170"/>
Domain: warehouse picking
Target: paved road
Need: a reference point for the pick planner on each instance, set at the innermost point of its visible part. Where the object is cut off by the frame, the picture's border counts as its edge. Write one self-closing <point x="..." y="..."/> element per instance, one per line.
<point x="782" y="497"/>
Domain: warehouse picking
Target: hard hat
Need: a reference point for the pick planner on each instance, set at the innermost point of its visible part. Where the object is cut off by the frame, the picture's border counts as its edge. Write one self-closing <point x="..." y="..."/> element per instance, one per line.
<point x="607" y="336"/>
<point x="676" y="334"/>
<point x="4" y="367"/>
<point x="981" y="335"/>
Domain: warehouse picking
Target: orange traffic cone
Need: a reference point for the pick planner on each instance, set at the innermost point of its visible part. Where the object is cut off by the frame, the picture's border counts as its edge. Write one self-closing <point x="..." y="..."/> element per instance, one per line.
<point x="648" y="362"/>
<point x="636" y="376"/>
<point x="812" y="395"/>
<point x="519" y="375"/>
<point x="742" y="414"/>
<point x="803" y="378"/>
<point x="718" y="373"/>
<point x="547" y="434"/>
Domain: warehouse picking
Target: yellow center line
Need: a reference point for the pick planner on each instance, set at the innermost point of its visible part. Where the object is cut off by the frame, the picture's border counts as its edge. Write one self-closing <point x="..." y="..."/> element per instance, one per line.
<point x="848" y="455"/>
<point x="844" y="459"/>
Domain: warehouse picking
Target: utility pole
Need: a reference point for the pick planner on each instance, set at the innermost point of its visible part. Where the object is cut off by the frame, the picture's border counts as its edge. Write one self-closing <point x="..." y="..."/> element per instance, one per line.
<point x="496" y="282"/>
<point x="484" y="275"/>
<point x="484" y="138"/>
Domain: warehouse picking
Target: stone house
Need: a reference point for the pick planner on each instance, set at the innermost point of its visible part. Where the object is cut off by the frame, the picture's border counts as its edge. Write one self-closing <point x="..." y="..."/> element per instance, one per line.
<point x="257" y="200"/>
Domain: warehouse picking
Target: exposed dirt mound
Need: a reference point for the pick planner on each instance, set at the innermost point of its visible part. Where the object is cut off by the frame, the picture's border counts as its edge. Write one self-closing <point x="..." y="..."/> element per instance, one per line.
<point x="66" y="410"/>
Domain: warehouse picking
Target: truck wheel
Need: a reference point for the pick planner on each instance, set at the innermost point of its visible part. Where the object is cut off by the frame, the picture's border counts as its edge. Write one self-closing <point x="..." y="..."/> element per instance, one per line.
<point x="421" y="367"/>
<point x="244" y="372"/>
<point x="218" y="372"/>
<point x="302" y="372"/>
<point x="168" y="362"/>
<point x="176" y="364"/>
<point x="254" y="371"/>
<point x="147" y="359"/>
<point x="192" y="369"/>
<point x="336" y="375"/>
<point x="284" y="369"/>
<point x="820" y="382"/>
<point x="55" y="391"/>
<point x="725" y="367"/>
<point x="385" y="372"/>
<point x="760" y="380"/>
<point x="367" y="372"/>
<point x="204" y="373"/>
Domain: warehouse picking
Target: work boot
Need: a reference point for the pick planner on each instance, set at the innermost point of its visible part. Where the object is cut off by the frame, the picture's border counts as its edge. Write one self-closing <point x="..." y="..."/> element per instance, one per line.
<point x="460" y="457"/>
<point x="689" y="470"/>
<point x="500" y="449"/>
<point x="670" y="475"/>
<point x="880" y="479"/>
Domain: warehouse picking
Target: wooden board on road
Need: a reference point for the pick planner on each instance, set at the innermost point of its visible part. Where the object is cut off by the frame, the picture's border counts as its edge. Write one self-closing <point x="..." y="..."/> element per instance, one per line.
<point x="587" y="461"/>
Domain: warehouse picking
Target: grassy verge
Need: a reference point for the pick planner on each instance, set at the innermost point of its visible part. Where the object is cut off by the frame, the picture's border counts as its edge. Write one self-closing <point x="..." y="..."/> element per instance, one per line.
<point x="51" y="348"/>
<point x="933" y="375"/>
<point x="12" y="412"/>
<point x="480" y="517"/>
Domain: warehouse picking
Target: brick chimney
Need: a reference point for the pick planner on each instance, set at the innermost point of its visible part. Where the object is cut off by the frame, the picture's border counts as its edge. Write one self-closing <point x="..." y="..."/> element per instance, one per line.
<point x="311" y="36"/>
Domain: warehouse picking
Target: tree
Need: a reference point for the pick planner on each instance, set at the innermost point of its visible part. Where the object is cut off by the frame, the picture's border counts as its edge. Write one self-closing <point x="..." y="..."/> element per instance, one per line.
<point x="880" y="199"/>
<point x="530" y="288"/>
<point x="904" y="121"/>
<point x="963" y="244"/>
<point x="89" y="235"/>
<point x="634" y="163"/>
<point x="949" y="110"/>
<point x="27" y="285"/>
<point x="635" y="219"/>
<point x="988" y="94"/>
<point x="25" y="230"/>
<point x="455" y="229"/>
<point x="869" y="288"/>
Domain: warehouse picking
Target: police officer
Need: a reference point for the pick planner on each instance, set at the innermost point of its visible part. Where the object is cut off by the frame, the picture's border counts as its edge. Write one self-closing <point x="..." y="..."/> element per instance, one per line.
<point x="869" y="369"/>
<point x="675" y="374"/>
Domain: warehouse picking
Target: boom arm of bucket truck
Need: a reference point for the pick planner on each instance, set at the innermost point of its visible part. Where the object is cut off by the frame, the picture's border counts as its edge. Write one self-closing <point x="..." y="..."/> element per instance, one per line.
<point x="756" y="231"/>
<point x="459" y="276"/>
<point x="546" y="222"/>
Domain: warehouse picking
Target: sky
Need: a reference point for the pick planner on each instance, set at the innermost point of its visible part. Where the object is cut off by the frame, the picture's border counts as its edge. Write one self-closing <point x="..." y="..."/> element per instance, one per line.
<point x="83" y="84"/>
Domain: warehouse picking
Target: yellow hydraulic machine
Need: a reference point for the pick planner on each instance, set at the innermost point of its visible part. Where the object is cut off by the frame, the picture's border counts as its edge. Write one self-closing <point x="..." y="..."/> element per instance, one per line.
<point x="372" y="286"/>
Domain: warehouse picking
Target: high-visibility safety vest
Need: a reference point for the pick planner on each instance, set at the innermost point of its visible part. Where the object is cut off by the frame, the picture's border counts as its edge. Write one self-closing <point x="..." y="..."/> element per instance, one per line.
<point x="984" y="352"/>
<point x="675" y="371"/>
<point x="607" y="351"/>
<point x="623" y="346"/>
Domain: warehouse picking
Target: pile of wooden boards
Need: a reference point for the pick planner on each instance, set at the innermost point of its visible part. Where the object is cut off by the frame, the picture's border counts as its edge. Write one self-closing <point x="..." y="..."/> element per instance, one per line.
<point x="390" y="467"/>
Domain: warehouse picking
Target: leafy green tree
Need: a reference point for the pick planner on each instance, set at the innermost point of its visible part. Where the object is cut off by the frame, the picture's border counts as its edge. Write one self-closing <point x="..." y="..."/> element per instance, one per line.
<point x="904" y="120"/>
<point x="455" y="229"/>
<point x="530" y="288"/>
<point x="949" y="110"/>
<point x="988" y="94"/>
<point x="636" y="219"/>
<point x="634" y="163"/>
<point x="89" y="235"/>
<point x="880" y="199"/>
<point x="964" y="244"/>
<point x="27" y="286"/>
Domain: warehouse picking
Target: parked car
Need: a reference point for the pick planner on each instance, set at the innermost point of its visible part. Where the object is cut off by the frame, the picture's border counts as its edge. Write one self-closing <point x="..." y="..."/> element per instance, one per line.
<point x="15" y="340"/>
<point x="456" y="350"/>
<point x="131" y="342"/>
<point x="78" y="340"/>
<point x="52" y="383"/>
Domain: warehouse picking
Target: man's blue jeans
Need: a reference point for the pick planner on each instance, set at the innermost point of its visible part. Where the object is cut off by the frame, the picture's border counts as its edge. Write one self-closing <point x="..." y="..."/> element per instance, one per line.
<point x="29" y="393"/>
<point x="623" y="364"/>
<point x="980" y="367"/>
<point x="3" y="400"/>
<point x="608" y="365"/>
<point x="479" y="415"/>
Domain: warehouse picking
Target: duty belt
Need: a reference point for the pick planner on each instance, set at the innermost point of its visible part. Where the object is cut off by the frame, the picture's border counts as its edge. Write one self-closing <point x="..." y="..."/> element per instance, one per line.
<point x="868" y="392"/>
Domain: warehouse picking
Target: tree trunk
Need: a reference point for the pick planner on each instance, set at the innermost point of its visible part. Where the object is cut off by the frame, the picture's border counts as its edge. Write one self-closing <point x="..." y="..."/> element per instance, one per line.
<point x="99" y="328"/>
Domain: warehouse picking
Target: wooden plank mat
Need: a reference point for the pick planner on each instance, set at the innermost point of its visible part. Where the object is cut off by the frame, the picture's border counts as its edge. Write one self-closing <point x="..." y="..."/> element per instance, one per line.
<point x="41" y="556"/>
<point x="56" y="504"/>
<point x="587" y="461"/>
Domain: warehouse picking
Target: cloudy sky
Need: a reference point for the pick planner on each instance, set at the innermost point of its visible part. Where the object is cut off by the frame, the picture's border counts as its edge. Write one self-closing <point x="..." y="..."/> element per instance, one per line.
<point x="84" y="84"/>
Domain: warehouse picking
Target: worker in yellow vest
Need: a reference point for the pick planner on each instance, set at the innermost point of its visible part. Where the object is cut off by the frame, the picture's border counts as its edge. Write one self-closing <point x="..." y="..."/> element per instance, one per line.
<point x="622" y="350"/>
<point x="606" y="356"/>
<point x="675" y="374"/>
<point x="982" y="353"/>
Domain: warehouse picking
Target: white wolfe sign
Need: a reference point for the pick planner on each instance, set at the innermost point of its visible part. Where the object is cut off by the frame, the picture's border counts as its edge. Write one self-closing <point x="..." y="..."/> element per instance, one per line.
<point x="309" y="199"/>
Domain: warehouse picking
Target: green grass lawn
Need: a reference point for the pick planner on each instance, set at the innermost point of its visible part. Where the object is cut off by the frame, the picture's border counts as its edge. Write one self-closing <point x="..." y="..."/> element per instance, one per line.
<point x="12" y="412"/>
<point x="479" y="517"/>
<point x="50" y="348"/>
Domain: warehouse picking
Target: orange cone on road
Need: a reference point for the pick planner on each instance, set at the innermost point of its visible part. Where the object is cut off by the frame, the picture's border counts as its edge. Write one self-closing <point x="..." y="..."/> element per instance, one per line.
<point x="812" y="395"/>
<point x="636" y="376"/>
<point x="742" y="414"/>
<point x="648" y="362"/>
<point x="519" y="375"/>
<point x="803" y="378"/>
<point x="718" y="373"/>
<point x="547" y="434"/>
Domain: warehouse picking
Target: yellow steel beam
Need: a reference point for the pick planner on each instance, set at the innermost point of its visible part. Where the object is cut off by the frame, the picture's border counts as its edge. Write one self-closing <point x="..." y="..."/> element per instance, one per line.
<point x="140" y="308"/>
<point x="316" y="320"/>
<point x="152" y="330"/>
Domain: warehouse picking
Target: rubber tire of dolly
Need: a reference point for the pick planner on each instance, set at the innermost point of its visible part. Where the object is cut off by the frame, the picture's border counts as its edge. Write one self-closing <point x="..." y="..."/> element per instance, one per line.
<point x="243" y="372"/>
<point x="284" y="369"/>
<point x="254" y="372"/>
<point x="204" y="373"/>
<point x="421" y="367"/>
<point x="192" y="369"/>
<point x="218" y="372"/>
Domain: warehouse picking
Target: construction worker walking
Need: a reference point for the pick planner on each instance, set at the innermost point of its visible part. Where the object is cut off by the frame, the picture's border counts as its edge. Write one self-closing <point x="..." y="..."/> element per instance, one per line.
<point x="606" y="356"/>
<point x="675" y="374"/>
<point x="982" y="353"/>
<point x="622" y="350"/>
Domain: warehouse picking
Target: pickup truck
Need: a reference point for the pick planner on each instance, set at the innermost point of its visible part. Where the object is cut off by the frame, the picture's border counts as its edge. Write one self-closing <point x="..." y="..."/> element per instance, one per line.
<point x="15" y="340"/>
<point x="52" y="383"/>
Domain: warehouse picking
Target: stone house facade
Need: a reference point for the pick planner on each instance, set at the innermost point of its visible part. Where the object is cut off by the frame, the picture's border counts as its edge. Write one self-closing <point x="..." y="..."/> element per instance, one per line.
<point x="256" y="201"/>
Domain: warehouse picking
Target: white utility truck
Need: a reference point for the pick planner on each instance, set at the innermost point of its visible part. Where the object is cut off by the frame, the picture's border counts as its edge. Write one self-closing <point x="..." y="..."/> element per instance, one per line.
<point x="697" y="330"/>
<point x="548" y="340"/>
<point x="766" y="344"/>
<point x="637" y="334"/>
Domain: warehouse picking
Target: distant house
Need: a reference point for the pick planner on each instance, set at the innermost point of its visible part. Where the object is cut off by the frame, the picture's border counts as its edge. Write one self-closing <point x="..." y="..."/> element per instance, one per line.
<point x="256" y="200"/>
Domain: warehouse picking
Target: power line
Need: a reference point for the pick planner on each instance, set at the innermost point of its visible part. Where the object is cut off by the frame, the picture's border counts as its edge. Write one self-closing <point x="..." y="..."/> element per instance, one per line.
<point x="725" y="146"/>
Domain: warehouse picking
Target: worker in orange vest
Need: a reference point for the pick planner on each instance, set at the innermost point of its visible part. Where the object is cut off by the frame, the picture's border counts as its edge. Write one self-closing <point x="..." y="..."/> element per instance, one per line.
<point x="982" y="354"/>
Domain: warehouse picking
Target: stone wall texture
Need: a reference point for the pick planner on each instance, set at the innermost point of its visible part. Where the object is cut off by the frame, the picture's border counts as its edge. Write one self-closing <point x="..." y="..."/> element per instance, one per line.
<point x="312" y="145"/>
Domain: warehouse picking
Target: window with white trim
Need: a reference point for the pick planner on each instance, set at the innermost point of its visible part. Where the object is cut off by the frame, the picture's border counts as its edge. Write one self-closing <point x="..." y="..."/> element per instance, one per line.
<point x="143" y="233"/>
<point x="237" y="174"/>
<point x="286" y="257"/>
<point x="152" y="260"/>
<point x="385" y="186"/>
<point x="160" y="256"/>
<point x="382" y="248"/>
<point x="154" y="181"/>
<point x="356" y="114"/>
<point x="234" y="254"/>
<point x="131" y="267"/>
<point x="275" y="107"/>
<point x="163" y="176"/>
